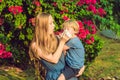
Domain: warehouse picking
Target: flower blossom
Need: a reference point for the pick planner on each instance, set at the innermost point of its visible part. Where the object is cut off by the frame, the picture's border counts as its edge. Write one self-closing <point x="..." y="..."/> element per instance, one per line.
<point x="15" y="9"/>
<point x="0" y="0"/>
<point x="32" y="21"/>
<point x="80" y="25"/>
<point x="37" y="3"/>
<point x="54" y="4"/>
<point x="92" y="8"/>
<point x="65" y="18"/>
<point x="101" y="12"/>
<point x="80" y="2"/>
<point x="4" y="53"/>
<point x="1" y="21"/>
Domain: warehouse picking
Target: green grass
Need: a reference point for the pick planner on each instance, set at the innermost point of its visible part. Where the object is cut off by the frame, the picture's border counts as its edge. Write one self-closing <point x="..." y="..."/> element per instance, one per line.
<point x="14" y="73"/>
<point x="106" y="65"/>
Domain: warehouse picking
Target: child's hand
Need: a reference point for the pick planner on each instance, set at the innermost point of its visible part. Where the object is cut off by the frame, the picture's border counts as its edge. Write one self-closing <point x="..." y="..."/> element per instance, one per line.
<point x="64" y="37"/>
<point x="65" y="32"/>
<point x="81" y="71"/>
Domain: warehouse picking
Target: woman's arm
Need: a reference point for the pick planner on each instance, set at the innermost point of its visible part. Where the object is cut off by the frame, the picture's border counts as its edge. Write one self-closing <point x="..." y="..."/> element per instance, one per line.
<point x="65" y="47"/>
<point x="52" y="57"/>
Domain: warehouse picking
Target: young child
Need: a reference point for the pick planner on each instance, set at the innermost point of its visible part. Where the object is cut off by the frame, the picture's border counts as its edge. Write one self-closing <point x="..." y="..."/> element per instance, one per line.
<point x="74" y="51"/>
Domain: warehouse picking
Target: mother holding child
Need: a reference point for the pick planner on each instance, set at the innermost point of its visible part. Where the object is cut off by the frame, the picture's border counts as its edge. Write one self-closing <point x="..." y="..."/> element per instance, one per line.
<point x="63" y="57"/>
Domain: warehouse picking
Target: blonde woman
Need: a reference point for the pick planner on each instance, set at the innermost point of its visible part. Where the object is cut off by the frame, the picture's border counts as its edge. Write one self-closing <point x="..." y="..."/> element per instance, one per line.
<point x="47" y="48"/>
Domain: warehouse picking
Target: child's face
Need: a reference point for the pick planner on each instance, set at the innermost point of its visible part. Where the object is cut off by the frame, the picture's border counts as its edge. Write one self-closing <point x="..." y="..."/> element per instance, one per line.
<point x="71" y="30"/>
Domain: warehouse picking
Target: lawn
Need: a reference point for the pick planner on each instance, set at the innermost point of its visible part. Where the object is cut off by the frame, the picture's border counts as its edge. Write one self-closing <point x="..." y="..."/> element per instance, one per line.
<point x="106" y="66"/>
<point x="14" y="73"/>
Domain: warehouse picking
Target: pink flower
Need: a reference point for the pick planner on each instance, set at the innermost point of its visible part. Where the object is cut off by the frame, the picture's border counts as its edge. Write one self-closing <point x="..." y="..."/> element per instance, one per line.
<point x="87" y="1"/>
<point x="4" y="53"/>
<point x="88" y="22"/>
<point x="80" y="3"/>
<point x="1" y="21"/>
<point x="32" y="21"/>
<point x="15" y="9"/>
<point x="65" y="18"/>
<point x="82" y="34"/>
<point x="92" y="39"/>
<point x="93" y="2"/>
<point x="101" y="12"/>
<point x="80" y="25"/>
<point x="1" y="51"/>
<point x="54" y="4"/>
<point x="65" y="10"/>
<point x="93" y="31"/>
<point x="87" y="32"/>
<point x="2" y="47"/>
<point x="19" y="9"/>
<point x="61" y="12"/>
<point x="92" y="8"/>
<point x="88" y="41"/>
<point x="37" y="3"/>
<point x="0" y="0"/>
<point x="8" y="54"/>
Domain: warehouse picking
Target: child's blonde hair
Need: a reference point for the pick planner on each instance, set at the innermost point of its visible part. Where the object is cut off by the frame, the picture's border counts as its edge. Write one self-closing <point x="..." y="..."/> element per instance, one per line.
<point x="71" y="24"/>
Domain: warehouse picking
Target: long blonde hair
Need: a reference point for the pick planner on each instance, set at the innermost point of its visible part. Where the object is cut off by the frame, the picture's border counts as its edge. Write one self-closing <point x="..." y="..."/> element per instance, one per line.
<point x="46" y="42"/>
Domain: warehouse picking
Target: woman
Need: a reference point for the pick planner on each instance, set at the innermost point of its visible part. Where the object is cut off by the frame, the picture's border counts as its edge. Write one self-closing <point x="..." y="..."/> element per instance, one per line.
<point x="46" y="47"/>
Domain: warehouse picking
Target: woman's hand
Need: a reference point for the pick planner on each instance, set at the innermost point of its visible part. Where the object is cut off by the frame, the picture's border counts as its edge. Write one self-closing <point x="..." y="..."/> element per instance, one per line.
<point x="81" y="71"/>
<point x="64" y="37"/>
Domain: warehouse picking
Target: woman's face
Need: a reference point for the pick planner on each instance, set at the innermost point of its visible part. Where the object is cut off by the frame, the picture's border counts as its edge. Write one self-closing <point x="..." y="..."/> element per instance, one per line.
<point x="51" y="25"/>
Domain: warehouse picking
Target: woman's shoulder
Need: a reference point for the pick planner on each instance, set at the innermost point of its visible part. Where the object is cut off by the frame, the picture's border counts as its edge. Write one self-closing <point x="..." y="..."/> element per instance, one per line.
<point x="33" y="45"/>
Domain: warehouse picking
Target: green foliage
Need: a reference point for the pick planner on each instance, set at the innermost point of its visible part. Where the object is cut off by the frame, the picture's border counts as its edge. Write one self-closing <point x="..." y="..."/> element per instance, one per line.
<point x="106" y="65"/>
<point x="93" y="49"/>
<point x="111" y="20"/>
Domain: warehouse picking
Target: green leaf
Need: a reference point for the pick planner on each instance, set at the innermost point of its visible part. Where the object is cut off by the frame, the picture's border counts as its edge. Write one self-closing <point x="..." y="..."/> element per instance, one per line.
<point x="21" y="36"/>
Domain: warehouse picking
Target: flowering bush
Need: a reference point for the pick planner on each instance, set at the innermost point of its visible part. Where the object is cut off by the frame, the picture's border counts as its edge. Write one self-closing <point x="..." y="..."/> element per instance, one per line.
<point x="87" y="29"/>
<point x="17" y="22"/>
<point x="111" y="20"/>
